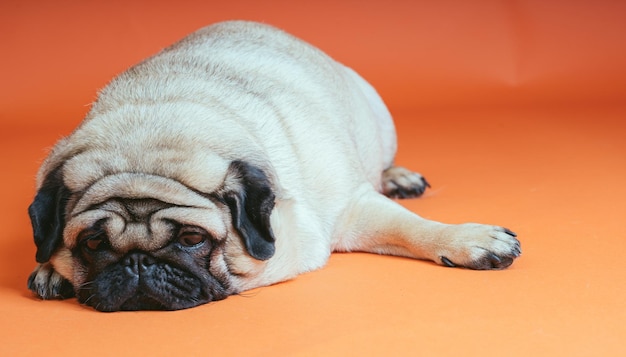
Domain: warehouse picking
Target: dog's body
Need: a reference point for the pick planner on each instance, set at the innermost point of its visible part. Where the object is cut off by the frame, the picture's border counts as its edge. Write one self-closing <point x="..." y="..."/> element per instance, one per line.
<point x="236" y="158"/>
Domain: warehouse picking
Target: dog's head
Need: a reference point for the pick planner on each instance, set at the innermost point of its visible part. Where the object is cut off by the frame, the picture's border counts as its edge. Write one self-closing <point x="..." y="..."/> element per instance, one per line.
<point x="133" y="241"/>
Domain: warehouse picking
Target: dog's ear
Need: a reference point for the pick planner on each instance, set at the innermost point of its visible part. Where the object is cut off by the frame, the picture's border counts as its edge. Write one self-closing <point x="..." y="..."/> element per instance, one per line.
<point x="47" y="215"/>
<point x="251" y="201"/>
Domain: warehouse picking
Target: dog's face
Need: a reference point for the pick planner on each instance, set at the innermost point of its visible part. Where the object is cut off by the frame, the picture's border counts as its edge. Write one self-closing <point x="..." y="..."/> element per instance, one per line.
<point x="136" y="241"/>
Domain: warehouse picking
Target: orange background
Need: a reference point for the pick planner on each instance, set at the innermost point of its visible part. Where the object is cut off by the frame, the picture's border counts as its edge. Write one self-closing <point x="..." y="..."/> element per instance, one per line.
<point x="514" y="110"/>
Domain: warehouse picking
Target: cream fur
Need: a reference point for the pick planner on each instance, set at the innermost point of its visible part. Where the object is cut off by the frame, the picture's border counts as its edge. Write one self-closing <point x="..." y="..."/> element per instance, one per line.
<point x="247" y="91"/>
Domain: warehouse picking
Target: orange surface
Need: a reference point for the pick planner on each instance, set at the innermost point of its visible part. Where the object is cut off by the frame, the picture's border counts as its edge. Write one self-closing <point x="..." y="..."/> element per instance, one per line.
<point x="515" y="111"/>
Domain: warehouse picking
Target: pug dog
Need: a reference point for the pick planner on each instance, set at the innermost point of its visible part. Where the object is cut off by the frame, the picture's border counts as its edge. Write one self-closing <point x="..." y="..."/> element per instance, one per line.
<point x="236" y="158"/>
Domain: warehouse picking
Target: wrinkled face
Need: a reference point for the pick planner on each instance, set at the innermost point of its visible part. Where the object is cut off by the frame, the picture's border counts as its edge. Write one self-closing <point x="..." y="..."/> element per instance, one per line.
<point x="141" y="242"/>
<point x="132" y="254"/>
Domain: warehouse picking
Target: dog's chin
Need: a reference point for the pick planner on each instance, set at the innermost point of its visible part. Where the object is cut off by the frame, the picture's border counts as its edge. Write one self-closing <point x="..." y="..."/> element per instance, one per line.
<point x="141" y="298"/>
<point x="143" y="302"/>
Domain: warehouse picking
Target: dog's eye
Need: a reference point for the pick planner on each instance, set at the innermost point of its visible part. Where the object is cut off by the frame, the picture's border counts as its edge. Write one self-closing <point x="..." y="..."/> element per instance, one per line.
<point x="190" y="236"/>
<point x="94" y="244"/>
<point x="191" y="239"/>
<point x="93" y="240"/>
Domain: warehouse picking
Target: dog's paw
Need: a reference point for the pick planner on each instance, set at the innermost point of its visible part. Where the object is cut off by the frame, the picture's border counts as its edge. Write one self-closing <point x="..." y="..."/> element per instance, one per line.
<point x="478" y="246"/>
<point x="398" y="182"/>
<point x="47" y="284"/>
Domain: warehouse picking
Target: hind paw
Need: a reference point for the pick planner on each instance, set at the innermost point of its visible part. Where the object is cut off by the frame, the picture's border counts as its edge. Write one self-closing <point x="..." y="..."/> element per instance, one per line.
<point x="398" y="182"/>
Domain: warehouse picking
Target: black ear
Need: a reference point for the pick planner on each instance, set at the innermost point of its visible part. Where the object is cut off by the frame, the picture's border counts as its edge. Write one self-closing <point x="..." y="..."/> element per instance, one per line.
<point x="250" y="207"/>
<point x="47" y="215"/>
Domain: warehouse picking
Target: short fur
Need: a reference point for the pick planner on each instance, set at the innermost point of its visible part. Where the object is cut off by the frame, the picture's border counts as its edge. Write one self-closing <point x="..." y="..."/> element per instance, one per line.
<point x="236" y="158"/>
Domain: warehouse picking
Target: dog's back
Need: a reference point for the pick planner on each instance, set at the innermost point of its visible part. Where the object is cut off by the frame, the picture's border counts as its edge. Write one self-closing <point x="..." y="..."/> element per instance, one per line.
<point x="274" y="97"/>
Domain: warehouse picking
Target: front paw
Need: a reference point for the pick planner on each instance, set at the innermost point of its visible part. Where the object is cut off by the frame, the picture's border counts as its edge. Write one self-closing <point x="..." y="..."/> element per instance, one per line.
<point x="47" y="284"/>
<point x="481" y="247"/>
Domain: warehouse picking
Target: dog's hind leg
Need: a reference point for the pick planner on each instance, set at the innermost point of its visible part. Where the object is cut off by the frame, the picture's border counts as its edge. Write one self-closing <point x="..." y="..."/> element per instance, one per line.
<point x="376" y="224"/>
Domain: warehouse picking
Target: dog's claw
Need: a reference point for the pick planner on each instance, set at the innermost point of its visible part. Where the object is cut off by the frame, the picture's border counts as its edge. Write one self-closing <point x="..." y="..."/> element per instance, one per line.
<point x="447" y="262"/>
<point x="510" y="232"/>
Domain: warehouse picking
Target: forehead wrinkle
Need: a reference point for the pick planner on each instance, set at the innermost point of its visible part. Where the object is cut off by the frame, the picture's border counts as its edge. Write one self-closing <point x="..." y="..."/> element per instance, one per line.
<point x="212" y="219"/>
<point x="128" y="185"/>
<point x="144" y="233"/>
<point x="87" y="220"/>
<point x="138" y="236"/>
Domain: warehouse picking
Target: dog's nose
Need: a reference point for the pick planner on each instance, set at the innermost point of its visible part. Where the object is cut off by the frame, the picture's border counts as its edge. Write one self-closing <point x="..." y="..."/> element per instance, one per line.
<point x="138" y="262"/>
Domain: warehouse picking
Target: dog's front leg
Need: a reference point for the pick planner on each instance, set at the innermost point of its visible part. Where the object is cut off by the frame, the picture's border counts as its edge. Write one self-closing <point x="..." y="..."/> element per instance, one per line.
<point x="47" y="284"/>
